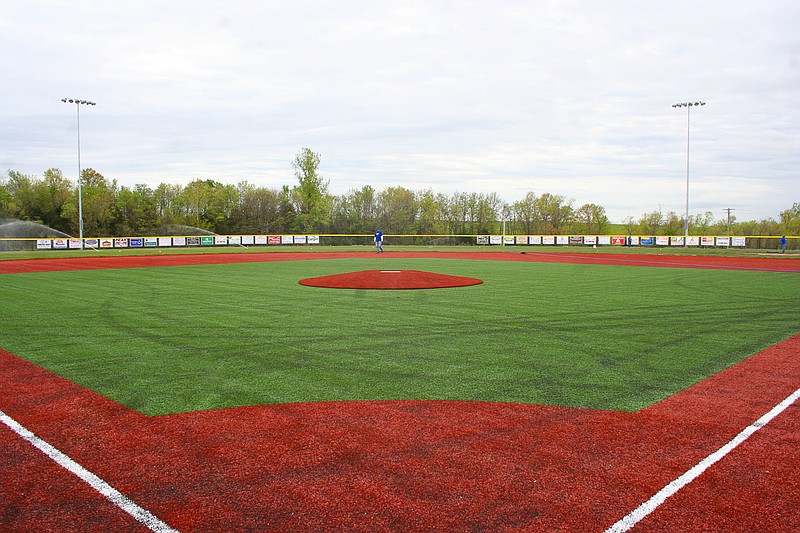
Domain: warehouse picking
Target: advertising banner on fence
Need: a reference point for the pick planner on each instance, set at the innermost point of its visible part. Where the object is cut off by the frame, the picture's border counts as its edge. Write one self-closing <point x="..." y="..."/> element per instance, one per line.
<point x="313" y="239"/>
<point x="706" y="241"/>
<point x="676" y="241"/>
<point x="44" y="244"/>
<point x="274" y="239"/>
<point x="234" y="240"/>
<point x="495" y="239"/>
<point x="604" y="240"/>
<point x="60" y="244"/>
<point x="562" y="239"/>
<point x="74" y="244"/>
<point x="92" y="243"/>
<point x="508" y="240"/>
<point x="738" y="241"/>
<point x="106" y="243"/>
<point x="589" y="240"/>
<point x="662" y="241"/>
<point x="482" y="239"/>
<point x="647" y="241"/>
<point x="195" y="241"/>
<point x="618" y="240"/>
<point x="219" y="240"/>
<point x="549" y="240"/>
<point x="261" y="239"/>
<point x="151" y="242"/>
<point x="136" y="242"/>
<point x="723" y="241"/>
<point x="176" y="241"/>
<point x="287" y="239"/>
<point x="299" y="239"/>
<point x="166" y="242"/>
<point x="534" y="239"/>
<point x="693" y="241"/>
<point x="248" y="240"/>
<point x="522" y="239"/>
<point x="120" y="243"/>
<point x="575" y="240"/>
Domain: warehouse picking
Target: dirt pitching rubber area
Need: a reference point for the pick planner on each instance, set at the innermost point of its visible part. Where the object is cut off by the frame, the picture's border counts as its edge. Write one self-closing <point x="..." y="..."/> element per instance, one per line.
<point x="402" y="465"/>
<point x="390" y="280"/>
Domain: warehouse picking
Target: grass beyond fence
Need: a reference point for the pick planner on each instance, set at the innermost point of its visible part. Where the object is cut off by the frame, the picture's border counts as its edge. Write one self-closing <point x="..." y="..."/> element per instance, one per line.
<point x="172" y="339"/>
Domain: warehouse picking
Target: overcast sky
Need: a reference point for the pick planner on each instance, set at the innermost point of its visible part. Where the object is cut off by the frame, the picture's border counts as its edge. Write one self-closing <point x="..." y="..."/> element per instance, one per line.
<point x="566" y="97"/>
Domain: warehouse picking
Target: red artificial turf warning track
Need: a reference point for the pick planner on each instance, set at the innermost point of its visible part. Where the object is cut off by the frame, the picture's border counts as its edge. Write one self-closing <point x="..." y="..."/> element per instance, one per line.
<point x="407" y="465"/>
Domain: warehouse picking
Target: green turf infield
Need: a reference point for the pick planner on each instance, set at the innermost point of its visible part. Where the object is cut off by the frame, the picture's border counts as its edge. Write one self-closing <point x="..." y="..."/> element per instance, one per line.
<point x="174" y="339"/>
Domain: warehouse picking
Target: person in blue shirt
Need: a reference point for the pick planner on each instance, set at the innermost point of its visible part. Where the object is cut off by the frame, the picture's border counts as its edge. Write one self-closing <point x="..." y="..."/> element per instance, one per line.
<point x="783" y="244"/>
<point x="378" y="240"/>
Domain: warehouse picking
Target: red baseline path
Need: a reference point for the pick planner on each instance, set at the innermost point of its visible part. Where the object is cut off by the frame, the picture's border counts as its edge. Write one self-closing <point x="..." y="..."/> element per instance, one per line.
<point x="410" y="465"/>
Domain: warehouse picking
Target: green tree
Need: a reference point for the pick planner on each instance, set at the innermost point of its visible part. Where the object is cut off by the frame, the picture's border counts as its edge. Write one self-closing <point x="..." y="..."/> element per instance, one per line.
<point x="555" y="211"/>
<point x="591" y="219"/>
<point x="99" y="205"/>
<point x="310" y="196"/>
<point x="526" y="214"/>
<point x="137" y="210"/>
<point x="790" y="220"/>
<point x="397" y="210"/>
<point x="649" y="223"/>
<point x="168" y="207"/>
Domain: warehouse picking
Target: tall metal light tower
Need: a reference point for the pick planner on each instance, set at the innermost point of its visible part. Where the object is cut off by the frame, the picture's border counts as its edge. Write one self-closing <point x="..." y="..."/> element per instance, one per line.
<point x="688" y="106"/>
<point x="78" y="104"/>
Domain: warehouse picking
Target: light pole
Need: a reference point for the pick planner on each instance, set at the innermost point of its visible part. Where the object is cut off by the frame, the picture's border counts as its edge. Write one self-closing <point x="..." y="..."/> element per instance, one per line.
<point x="688" y="106"/>
<point x="78" y="104"/>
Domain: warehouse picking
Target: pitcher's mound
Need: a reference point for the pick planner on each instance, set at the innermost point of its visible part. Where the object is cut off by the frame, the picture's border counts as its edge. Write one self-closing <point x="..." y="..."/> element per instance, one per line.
<point x="390" y="279"/>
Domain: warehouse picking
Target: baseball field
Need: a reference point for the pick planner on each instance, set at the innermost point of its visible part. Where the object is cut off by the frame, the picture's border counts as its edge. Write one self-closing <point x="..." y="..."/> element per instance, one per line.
<point x="552" y="392"/>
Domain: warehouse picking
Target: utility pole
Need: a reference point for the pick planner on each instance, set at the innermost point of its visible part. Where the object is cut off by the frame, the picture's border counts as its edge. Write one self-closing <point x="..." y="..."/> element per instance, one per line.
<point x="728" y="210"/>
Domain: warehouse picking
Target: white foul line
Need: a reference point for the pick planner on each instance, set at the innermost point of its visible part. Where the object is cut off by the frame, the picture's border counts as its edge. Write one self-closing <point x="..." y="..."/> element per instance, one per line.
<point x="627" y="522"/>
<point x="117" y="498"/>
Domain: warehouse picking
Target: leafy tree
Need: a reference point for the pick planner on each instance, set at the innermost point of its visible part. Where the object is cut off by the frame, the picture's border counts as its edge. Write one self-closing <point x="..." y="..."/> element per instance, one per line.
<point x="429" y="221"/>
<point x="526" y="214"/>
<point x="257" y="209"/>
<point x="99" y="205"/>
<point x="790" y="220"/>
<point x="591" y="218"/>
<point x="555" y="211"/>
<point x="397" y="210"/>
<point x="137" y="210"/>
<point x="168" y="206"/>
<point x="310" y="197"/>
<point x="649" y="223"/>
<point x="701" y="223"/>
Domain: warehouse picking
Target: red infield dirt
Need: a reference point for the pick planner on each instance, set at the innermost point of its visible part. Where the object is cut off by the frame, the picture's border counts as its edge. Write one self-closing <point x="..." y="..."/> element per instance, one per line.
<point x="390" y="280"/>
<point x="406" y="465"/>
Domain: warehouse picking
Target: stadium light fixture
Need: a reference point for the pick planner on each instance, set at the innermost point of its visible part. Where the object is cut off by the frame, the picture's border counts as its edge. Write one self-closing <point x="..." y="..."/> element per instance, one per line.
<point x="78" y="104"/>
<point x="688" y="106"/>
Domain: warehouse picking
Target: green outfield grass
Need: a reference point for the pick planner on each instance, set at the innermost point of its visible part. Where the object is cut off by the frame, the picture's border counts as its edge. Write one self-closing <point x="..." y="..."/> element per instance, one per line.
<point x="173" y="339"/>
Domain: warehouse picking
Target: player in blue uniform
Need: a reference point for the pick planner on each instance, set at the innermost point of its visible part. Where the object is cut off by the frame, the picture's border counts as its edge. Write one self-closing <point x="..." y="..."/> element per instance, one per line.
<point x="378" y="240"/>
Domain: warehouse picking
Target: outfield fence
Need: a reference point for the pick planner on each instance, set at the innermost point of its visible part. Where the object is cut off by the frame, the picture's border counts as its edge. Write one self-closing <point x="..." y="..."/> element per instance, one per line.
<point x="768" y="242"/>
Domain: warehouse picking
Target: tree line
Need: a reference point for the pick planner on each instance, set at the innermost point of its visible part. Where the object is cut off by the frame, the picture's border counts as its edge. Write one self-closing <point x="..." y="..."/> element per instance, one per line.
<point x="308" y="207"/>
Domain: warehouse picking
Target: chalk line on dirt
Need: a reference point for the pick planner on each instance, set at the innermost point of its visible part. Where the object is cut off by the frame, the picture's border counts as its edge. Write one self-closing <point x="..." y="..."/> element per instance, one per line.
<point x="116" y="497"/>
<point x="635" y="516"/>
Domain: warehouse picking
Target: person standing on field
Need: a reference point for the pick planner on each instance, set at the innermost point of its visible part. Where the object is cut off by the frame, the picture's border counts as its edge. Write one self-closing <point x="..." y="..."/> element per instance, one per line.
<point x="783" y="244"/>
<point x="378" y="241"/>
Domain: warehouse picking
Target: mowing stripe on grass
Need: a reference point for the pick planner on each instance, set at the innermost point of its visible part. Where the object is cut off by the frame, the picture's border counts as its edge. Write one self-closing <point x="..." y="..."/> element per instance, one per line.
<point x="117" y="498"/>
<point x="633" y="518"/>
